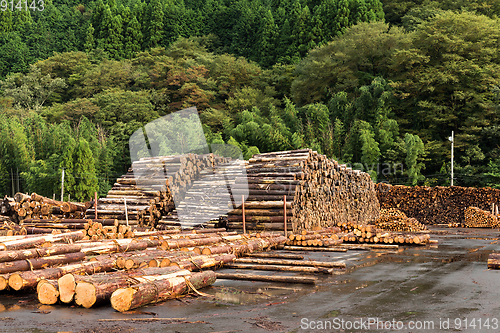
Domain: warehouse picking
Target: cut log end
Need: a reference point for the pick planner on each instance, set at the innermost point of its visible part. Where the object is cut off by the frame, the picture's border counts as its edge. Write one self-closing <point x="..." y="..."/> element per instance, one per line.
<point x="67" y="285"/>
<point x="16" y="282"/>
<point x="121" y="299"/>
<point x="85" y="294"/>
<point x="48" y="292"/>
<point x="4" y="283"/>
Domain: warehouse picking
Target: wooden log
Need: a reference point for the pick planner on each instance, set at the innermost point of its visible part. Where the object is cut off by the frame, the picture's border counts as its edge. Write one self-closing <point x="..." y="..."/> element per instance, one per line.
<point x="275" y="255"/>
<point x="37" y="241"/>
<point x="312" y="263"/>
<point x="21" y="197"/>
<point x="29" y="279"/>
<point x="97" y="289"/>
<point x="37" y="263"/>
<point x="371" y="246"/>
<point x="266" y="278"/>
<point x="48" y="292"/>
<point x="316" y="249"/>
<point x="158" y="290"/>
<point x="6" y="256"/>
<point x="303" y="269"/>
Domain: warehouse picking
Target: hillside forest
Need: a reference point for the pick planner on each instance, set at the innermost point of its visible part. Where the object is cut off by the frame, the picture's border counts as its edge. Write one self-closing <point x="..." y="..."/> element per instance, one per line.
<point x="376" y="84"/>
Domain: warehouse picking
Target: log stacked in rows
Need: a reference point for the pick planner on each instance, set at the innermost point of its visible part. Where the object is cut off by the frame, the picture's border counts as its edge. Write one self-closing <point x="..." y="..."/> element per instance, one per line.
<point x="393" y="219"/>
<point x="494" y="261"/>
<point x="151" y="188"/>
<point x="325" y="237"/>
<point x="436" y="205"/>
<point x="319" y="193"/>
<point x="26" y="206"/>
<point x="78" y="273"/>
<point x="478" y="218"/>
<point x="209" y="197"/>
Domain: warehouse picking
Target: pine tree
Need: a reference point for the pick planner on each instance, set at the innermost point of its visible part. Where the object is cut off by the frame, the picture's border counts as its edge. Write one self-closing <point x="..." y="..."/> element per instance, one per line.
<point x="155" y="15"/>
<point x="84" y="172"/>
<point x="342" y="17"/>
<point x="132" y="35"/>
<point x="6" y="21"/>
<point x="97" y="19"/>
<point x="414" y="149"/>
<point x="111" y="32"/>
<point x="89" y="40"/>
<point x="67" y="164"/>
<point x="267" y="41"/>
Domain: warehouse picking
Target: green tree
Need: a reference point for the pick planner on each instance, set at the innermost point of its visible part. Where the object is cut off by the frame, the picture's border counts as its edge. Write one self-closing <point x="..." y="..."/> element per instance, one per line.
<point x="31" y="90"/>
<point x="414" y="149"/>
<point x="84" y="172"/>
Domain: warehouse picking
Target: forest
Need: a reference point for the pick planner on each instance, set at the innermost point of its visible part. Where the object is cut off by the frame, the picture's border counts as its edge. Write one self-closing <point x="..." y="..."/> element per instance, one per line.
<point x="376" y="84"/>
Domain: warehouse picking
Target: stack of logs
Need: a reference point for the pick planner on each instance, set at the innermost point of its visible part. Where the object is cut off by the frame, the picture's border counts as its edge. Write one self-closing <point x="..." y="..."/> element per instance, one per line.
<point x="478" y="218"/>
<point x="151" y="187"/>
<point x="24" y="206"/>
<point x="393" y="219"/>
<point x="127" y="272"/>
<point x="494" y="261"/>
<point x="326" y="237"/>
<point x="351" y="232"/>
<point x="319" y="192"/>
<point x="436" y="205"/>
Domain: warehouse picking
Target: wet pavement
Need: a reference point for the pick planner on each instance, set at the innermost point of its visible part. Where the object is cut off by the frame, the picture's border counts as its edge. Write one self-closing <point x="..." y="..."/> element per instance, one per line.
<point x="436" y="288"/>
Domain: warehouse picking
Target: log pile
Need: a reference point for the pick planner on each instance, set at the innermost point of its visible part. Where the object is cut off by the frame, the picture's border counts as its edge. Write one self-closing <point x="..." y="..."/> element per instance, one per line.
<point x="209" y="197"/>
<point x="494" y="261"/>
<point x="319" y="193"/>
<point x="24" y="206"/>
<point x="478" y="218"/>
<point x="436" y="205"/>
<point x="151" y="188"/>
<point x="393" y="219"/>
<point x="87" y="273"/>
<point x="325" y="237"/>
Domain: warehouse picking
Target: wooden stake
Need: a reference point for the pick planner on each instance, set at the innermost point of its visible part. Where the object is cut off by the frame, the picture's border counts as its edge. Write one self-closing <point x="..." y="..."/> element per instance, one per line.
<point x="243" y="211"/>
<point x="284" y="214"/>
<point x="95" y="204"/>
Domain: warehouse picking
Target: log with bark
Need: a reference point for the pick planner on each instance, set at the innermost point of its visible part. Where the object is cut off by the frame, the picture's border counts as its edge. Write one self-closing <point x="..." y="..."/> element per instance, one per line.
<point x="158" y="289"/>
<point x="439" y="204"/>
<point x="266" y="278"/>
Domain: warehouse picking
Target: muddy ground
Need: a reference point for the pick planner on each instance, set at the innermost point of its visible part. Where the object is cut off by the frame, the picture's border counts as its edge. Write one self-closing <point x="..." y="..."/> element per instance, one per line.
<point x="444" y="288"/>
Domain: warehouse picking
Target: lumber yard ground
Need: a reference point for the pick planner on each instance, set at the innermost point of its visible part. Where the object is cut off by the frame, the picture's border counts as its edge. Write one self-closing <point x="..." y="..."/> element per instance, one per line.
<point x="433" y="288"/>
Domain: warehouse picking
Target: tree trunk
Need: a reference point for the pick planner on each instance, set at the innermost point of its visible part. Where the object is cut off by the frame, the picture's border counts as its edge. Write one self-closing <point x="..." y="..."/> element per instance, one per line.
<point x="157" y="290"/>
<point x="266" y="278"/>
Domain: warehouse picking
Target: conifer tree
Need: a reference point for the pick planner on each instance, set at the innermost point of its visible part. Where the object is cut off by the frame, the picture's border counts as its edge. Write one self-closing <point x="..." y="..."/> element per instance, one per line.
<point x="89" y="40"/>
<point x="84" y="172"/>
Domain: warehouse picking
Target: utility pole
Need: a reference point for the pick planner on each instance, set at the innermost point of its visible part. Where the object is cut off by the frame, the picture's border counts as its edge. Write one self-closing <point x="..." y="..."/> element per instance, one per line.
<point x="62" y="185"/>
<point x="452" y="138"/>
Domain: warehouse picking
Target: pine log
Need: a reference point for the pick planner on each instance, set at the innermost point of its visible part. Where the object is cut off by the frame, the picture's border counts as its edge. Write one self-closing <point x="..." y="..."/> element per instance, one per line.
<point x="275" y="255"/>
<point x="43" y="262"/>
<point x="6" y="256"/>
<point x="98" y="289"/>
<point x="266" y="278"/>
<point x="303" y="269"/>
<point x="316" y="249"/>
<point x="290" y="262"/>
<point x="157" y="290"/>
<point x="48" y="292"/>
<point x="29" y="279"/>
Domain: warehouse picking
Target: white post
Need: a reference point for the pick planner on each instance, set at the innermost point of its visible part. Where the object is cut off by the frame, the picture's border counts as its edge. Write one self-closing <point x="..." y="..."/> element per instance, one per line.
<point x="62" y="185"/>
<point x="126" y="212"/>
<point x="452" y="139"/>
